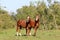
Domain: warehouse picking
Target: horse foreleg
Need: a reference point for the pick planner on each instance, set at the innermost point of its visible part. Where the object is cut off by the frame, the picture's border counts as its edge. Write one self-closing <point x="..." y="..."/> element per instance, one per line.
<point x="35" y="30"/>
<point x="28" y="31"/>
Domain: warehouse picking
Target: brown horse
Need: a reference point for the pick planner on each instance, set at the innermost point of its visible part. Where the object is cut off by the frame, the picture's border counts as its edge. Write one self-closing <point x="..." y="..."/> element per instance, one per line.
<point x="22" y="24"/>
<point x="33" y="24"/>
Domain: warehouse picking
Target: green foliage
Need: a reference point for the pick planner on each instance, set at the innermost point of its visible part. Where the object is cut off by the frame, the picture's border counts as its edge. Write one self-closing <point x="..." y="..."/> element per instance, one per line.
<point x="23" y="12"/>
<point x="6" y="20"/>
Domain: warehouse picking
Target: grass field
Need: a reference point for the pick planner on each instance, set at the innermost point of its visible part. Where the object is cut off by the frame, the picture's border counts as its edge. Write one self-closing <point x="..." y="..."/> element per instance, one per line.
<point x="9" y="34"/>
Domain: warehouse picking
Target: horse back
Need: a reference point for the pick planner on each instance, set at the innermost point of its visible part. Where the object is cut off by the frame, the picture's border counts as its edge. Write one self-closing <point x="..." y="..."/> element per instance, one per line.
<point x="21" y="23"/>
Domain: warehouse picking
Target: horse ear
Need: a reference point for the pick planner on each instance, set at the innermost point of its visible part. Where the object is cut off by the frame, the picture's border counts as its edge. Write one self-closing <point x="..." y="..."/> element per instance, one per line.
<point x="37" y="14"/>
<point x="28" y="15"/>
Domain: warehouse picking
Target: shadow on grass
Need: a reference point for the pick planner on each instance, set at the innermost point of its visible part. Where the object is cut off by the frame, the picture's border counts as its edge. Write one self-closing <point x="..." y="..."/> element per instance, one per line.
<point x="21" y="35"/>
<point x="25" y="35"/>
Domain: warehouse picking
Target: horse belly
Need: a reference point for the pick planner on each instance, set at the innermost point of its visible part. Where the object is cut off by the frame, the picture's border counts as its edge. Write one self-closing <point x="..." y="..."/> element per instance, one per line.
<point x="32" y="24"/>
<point x="23" y="24"/>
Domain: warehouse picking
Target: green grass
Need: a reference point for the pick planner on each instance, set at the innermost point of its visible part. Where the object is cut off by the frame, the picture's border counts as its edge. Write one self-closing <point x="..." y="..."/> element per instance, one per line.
<point x="9" y="34"/>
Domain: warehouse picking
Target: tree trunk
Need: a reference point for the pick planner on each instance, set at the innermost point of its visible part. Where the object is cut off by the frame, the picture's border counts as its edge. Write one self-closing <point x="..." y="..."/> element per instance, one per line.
<point x="54" y="19"/>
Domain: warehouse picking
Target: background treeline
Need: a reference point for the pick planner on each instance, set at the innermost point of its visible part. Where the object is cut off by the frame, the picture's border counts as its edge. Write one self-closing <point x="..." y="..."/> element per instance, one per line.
<point x="49" y="15"/>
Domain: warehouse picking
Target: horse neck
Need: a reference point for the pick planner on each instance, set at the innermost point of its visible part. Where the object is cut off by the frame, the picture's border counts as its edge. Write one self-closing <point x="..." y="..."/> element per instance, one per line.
<point x="31" y="20"/>
<point x="37" y="21"/>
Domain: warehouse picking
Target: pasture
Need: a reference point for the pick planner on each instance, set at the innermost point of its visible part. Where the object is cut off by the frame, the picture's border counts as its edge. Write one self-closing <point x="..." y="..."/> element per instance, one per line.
<point x="9" y="34"/>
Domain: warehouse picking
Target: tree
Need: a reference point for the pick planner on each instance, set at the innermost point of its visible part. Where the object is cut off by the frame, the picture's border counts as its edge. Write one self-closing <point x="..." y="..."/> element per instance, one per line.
<point x="55" y="8"/>
<point x="6" y="20"/>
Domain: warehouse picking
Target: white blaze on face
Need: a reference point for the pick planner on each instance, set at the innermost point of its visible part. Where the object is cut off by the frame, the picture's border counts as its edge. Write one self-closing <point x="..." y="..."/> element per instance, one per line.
<point x="36" y="18"/>
<point x="28" y="17"/>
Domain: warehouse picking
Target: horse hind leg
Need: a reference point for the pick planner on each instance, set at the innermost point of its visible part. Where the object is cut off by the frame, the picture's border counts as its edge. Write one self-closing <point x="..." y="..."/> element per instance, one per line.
<point x="18" y="31"/>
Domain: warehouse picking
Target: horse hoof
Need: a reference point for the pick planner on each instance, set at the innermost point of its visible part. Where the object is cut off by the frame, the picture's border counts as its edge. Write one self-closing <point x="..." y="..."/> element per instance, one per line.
<point x="19" y="35"/>
<point x="34" y="35"/>
<point x="27" y="35"/>
<point x="16" y="35"/>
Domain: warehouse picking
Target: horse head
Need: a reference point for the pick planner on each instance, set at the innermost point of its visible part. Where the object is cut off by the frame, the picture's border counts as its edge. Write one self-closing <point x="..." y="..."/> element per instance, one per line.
<point x="37" y="18"/>
<point x="28" y="18"/>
